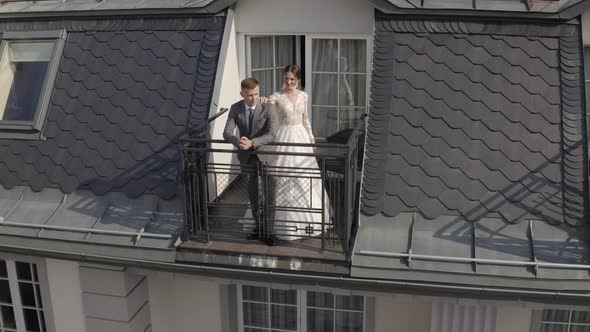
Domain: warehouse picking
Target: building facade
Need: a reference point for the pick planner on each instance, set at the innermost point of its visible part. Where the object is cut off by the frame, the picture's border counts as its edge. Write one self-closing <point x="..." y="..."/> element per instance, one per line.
<point x="460" y="203"/>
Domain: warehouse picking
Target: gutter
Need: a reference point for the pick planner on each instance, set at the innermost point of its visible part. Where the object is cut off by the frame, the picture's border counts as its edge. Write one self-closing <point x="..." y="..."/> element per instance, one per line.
<point x="435" y="258"/>
<point x="374" y="285"/>
<point x="563" y="14"/>
<point x="215" y="8"/>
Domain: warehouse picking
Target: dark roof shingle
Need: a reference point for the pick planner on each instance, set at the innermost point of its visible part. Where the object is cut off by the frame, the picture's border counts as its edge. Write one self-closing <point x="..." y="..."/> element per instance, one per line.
<point x="476" y="124"/>
<point x="125" y="90"/>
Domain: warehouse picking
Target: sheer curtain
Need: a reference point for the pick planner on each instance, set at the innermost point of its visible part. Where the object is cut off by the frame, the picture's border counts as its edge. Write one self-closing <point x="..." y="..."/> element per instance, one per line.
<point x="268" y="309"/>
<point x="339" y="84"/>
<point x="268" y="56"/>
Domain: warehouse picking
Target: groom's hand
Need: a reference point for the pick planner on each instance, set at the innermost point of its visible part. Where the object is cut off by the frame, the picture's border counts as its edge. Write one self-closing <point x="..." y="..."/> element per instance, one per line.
<point x="245" y="143"/>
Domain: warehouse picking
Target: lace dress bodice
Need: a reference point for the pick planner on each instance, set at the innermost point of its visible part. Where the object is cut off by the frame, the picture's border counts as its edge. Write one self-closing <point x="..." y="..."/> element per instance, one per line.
<point x="292" y="114"/>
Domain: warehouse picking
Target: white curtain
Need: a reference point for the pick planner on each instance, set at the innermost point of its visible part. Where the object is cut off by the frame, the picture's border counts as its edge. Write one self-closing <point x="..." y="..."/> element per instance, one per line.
<point x="269" y="55"/>
<point x="339" y="84"/>
<point x="283" y="309"/>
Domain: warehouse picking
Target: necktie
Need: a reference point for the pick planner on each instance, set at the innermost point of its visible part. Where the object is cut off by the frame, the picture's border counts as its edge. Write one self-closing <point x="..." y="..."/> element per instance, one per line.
<point x="250" y="118"/>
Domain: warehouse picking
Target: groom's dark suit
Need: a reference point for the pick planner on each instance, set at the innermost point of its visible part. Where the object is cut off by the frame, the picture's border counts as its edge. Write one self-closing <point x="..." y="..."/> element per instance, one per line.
<point x="262" y="130"/>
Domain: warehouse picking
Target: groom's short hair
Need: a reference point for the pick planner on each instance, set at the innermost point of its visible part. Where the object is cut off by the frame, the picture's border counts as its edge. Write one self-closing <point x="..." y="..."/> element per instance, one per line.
<point x="249" y="83"/>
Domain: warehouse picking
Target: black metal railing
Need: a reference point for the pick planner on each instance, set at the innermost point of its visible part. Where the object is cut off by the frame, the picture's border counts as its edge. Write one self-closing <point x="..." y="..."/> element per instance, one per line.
<point x="311" y="194"/>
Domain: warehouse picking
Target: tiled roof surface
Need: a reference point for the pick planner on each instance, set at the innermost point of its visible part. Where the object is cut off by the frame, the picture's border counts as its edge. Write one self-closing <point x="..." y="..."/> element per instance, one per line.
<point x="69" y="6"/>
<point x="126" y="89"/>
<point x="476" y="120"/>
<point x="484" y="6"/>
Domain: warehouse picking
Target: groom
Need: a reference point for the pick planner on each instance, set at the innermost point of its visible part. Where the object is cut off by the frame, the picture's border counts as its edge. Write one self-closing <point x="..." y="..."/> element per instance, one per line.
<point x="258" y="125"/>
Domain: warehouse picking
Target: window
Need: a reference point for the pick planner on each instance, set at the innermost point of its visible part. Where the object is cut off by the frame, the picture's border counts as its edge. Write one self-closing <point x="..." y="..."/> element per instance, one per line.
<point x="269" y="309"/>
<point x="587" y="80"/>
<point x="336" y="69"/>
<point x="28" y="67"/>
<point x="269" y="55"/>
<point x="21" y="306"/>
<point x="562" y="321"/>
<point x="339" y="84"/>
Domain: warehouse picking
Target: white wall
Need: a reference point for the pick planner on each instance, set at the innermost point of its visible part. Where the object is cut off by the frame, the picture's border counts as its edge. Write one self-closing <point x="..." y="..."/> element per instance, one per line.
<point x="63" y="279"/>
<point x="392" y="315"/>
<point x="586" y="27"/>
<point x="227" y="92"/>
<point x="183" y="304"/>
<point x="304" y="16"/>
<point x="513" y="319"/>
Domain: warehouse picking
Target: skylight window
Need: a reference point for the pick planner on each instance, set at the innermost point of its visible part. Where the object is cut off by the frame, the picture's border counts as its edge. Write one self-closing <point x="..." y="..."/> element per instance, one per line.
<point x="28" y="67"/>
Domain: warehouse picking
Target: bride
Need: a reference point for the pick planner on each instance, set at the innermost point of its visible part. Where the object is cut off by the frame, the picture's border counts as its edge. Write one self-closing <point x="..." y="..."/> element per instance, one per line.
<point x="298" y="178"/>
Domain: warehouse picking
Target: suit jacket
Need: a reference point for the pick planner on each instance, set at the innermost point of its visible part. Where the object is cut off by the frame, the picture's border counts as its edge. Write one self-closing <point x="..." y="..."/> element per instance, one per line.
<point x="263" y="129"/>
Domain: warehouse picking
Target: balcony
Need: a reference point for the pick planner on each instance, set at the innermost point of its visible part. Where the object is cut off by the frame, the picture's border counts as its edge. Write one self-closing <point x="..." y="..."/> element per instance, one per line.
<point x="219" y="213"/>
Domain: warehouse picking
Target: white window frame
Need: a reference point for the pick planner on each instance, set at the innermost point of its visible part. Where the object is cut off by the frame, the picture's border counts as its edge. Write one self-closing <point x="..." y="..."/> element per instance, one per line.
<point x="249" y="50"/>
<point x="33" y="129"/>
<point x="569" y="323"/>
<point x="301" y="305"/>
<point x="586" y="63"/>
<point x="306" y="63"/>
<point x="10" y="260"/>
<point x="308" y="68"/>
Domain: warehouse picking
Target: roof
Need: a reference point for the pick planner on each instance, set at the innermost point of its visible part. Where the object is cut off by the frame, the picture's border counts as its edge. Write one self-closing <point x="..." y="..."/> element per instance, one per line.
<point x="125" y="90"/>
<point x="83" y="222"/>
<point x="475" y="149"/>
<point x="559" y="9"/>
<point x="70" y="7"/>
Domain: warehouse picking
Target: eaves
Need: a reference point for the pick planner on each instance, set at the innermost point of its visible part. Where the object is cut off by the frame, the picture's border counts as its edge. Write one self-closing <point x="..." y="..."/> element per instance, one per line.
<point x="216" y="7"/>
<point x="566" y="13"/>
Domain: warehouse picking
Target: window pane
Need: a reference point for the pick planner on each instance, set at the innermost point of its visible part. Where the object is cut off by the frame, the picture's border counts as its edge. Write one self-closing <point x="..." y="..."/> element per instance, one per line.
<point x="349" y="302"/>
<point x="3" y="272"/>
<point x="30" y="52"/>
<point x="353" y="55"/>
<point x="31" y="320"/>
<point x="8" y="317"/>
<point x="42" y="318"/>
<point x="555" y="315"/>
<point x="278" y="80"/>
<point x="580" y="328"/>
<point x="580" y="316"/>
<point x="320" y="320"/>
<point x="261" y="52"/>
<point x="325" y="89"/>
<point x="283" y="317"/>
<point x="352" y="90"/>
<point x="23" y="271"/>
<point x="349" y="321"/>
<point x="255" y="314"/>
<point x="27" y="294"/>
<point x="324" y="121"/>
<point x="325" y="55"/>
<point x="284" y="51"/>
<point x="5" y="292"/>
<point x="25" y="91"/>
<point x="249" y="329"/>
<point x="283" y="296"/>
<point x="320" y="300"/>
<point x="253" y="293"/>
<point x="553" y="328"/>
<point x="38" y="294"/>
<point x="349" y="117"/>
<point x="35" y="275"/>
<point x="587" y="62"/>
<point x="264" y="77"/>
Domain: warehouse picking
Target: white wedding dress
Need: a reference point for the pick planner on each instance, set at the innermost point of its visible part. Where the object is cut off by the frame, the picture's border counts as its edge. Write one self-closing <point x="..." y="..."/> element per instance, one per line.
<point x="298" y="178"/>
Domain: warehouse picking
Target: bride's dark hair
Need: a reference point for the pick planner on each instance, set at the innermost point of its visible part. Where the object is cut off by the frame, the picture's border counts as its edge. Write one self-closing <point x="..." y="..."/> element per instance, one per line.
<point x="294" y="69"/>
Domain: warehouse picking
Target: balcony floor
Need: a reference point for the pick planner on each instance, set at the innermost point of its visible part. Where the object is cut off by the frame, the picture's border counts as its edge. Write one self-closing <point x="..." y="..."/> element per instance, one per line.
<point x="232" y="248"/>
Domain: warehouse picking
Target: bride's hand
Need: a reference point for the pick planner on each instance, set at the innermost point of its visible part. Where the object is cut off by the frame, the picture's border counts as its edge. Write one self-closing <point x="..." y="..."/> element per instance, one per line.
<point x="264" y="100"/>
